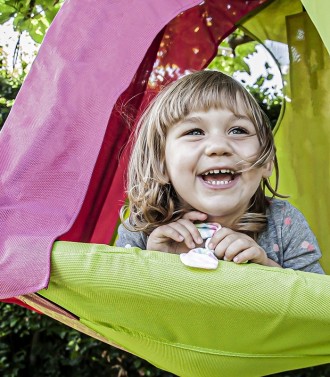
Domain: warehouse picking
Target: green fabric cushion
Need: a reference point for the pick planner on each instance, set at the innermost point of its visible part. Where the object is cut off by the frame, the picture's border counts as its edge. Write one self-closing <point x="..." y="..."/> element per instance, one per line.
<point x="238" y="320"/>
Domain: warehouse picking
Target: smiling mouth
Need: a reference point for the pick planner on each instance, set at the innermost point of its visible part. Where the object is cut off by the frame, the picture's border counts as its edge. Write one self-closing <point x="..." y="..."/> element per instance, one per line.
<point x="219" y="177"/>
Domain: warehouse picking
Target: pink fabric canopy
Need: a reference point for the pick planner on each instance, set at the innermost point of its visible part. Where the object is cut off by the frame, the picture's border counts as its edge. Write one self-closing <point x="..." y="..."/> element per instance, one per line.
<point x="62" y="165"/>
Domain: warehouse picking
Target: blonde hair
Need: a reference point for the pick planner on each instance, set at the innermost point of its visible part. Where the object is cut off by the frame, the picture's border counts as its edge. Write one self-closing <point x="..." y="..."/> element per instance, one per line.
<point x="152" y="200"/>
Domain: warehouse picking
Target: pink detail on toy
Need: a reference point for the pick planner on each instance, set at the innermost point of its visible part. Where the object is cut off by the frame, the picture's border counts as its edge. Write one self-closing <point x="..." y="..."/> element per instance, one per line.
<point x="276" y="248"/>
<point x="207" y="230"/>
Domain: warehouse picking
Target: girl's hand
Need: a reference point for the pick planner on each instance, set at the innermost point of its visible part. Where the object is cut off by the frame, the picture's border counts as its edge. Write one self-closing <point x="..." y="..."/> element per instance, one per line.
<point x="239" y="248"/>
<point x="179" y="236"/>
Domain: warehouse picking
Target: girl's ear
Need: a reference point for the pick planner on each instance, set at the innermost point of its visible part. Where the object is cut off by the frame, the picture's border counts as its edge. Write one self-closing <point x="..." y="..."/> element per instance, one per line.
<point x="268" y="169"/>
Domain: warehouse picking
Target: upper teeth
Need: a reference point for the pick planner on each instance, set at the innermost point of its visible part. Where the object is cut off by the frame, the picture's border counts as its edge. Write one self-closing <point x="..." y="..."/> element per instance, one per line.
<point x="223" y="171"/>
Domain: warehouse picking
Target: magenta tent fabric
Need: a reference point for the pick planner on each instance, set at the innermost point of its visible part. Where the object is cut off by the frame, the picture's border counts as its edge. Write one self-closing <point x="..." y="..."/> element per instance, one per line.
<point x="62" y="161"/>
<point x="53" y="136"/>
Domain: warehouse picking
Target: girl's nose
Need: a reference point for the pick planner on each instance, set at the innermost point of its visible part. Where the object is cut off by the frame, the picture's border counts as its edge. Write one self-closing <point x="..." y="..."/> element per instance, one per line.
<point x="218" y="146"/>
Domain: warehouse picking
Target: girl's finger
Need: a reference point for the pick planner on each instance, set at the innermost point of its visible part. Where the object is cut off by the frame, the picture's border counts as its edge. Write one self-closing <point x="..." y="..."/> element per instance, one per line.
<point x="219" y="236"/>
<point x="255" y="254"/>
<point x="195" y="216"/>
<point x="221" y="248"/>
<point x="245" y="256"/>
<point x="234" y="248"/>
<point x="192" y="230"/>
<point x="167" y="232"/>
<point x="183" y="230"/>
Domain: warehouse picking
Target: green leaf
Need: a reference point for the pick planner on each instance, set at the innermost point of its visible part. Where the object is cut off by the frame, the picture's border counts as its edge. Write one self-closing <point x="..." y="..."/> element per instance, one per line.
<point x="18" y="21"/>
<point x="246" y="49"/>
<point x="6" y="13"/>
<point x="51" y="12"/>
<point x="260" y="81"/>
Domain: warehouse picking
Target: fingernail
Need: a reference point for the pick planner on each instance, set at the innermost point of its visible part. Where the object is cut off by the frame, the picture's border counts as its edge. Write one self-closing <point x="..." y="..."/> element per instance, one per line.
<point x="225" y="258"/>
<point x="235" y="259"/>
<point x="199" y="240"/>
<point x="181" y="238"/>
<point x="192" y="245"/>
<point x="210" y="246"/>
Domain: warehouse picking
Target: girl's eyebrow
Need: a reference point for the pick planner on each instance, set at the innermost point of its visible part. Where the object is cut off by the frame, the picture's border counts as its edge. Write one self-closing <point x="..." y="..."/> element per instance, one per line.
<point x="191" y="119"/>
<point x="240" y="116"/>
<point x="234" y="117"/>
<point x="199" y="120"/>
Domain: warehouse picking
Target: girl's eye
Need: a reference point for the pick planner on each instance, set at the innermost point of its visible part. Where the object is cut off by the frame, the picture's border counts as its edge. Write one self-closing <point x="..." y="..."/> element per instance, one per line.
<point x="238" y="131"/>
<point x="195" y="132"/>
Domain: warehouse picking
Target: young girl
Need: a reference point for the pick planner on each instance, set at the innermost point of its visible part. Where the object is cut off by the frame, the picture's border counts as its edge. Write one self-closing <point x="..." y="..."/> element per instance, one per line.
<point x="203" y="153"/>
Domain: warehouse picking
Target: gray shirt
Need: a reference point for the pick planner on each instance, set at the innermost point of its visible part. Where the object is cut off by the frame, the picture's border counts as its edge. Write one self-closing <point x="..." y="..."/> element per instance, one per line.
<point x="287" y="240"/>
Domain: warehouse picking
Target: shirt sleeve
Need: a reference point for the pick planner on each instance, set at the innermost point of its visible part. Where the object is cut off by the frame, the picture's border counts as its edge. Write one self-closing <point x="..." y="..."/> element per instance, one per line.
<point x="127" y="238"/>
<point x="301" y="249"/>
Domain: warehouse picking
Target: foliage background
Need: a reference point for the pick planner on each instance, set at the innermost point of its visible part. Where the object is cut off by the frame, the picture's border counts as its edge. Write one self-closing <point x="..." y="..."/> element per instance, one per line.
<point x="35" y="345"/>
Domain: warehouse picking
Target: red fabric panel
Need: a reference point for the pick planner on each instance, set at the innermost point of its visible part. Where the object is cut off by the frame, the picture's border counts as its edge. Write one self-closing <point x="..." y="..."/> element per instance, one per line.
<point x="99" y="214"/>
<point x="16" y="301"/>
<point x="191" y="40"/>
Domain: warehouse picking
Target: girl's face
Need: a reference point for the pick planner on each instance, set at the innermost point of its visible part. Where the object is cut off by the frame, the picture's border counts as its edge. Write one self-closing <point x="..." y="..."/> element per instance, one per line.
<point x="203" y="155"/>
